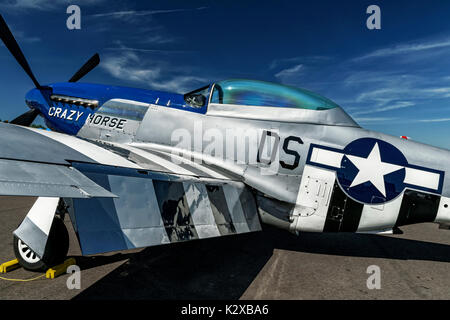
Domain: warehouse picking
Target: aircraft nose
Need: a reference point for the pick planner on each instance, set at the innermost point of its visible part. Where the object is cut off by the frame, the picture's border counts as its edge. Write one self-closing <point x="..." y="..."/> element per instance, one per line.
<point x="32" y="98"/>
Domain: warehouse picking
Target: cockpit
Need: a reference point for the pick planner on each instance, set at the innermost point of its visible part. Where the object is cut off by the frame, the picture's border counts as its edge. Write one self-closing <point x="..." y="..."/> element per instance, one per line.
<point x="262" y="100"/>
<point x="266" y="94"/>
<point x="197" y="98"/>
<point x="258" y="93"/>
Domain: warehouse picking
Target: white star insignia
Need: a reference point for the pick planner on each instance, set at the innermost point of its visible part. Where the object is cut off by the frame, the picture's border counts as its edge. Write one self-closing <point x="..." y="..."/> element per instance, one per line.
<point x="372" y="169"/>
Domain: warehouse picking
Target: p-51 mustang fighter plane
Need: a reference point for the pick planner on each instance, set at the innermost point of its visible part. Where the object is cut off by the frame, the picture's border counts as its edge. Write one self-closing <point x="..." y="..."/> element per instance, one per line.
<point x="135" y="168"/>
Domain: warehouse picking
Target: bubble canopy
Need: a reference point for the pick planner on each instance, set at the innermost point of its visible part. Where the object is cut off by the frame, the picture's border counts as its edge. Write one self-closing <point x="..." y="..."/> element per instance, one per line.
<point x="267" y="94"/>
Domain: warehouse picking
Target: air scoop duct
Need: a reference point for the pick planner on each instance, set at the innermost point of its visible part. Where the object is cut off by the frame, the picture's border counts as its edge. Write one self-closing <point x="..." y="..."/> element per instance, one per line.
<point x="76" y="101"/>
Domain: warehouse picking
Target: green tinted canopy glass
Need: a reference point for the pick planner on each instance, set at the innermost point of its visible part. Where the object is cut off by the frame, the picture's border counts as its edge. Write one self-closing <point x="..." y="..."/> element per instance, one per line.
<point x="267" y="94"/>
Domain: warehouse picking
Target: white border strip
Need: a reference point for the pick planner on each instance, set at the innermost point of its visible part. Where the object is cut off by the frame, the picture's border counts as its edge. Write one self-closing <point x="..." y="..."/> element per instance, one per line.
<point x="235" y="208"/>
<point x="171" y="167"/>
<point x="422" y="178"/>
<point x="200" y="209"/>
<point x="326" y="157"/>
<point x="96" y="153"/>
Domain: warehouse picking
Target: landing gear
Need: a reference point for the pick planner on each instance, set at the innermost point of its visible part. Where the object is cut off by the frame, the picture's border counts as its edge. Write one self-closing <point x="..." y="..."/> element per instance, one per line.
<point x="55" y="250"/>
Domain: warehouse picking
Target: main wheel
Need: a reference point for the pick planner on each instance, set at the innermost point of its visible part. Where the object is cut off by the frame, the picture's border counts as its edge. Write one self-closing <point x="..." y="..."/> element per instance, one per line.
<point x="55" y="250"/>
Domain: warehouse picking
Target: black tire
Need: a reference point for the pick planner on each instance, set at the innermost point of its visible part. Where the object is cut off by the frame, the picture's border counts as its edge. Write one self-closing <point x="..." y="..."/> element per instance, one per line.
<point x="55" y="250"/>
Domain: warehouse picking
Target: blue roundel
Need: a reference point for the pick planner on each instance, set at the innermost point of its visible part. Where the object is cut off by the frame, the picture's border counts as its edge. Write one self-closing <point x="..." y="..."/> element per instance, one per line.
<point x="372" y="171"/>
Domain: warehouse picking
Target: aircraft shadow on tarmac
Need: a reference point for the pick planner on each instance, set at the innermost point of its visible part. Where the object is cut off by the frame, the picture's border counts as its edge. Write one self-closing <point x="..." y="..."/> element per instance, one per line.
<point x="223" y="268"/>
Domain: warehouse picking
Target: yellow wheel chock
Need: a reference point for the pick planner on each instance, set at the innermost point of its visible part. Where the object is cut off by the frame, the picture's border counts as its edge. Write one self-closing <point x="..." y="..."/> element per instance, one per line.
<point x="51" y="273"/>
<point x="55" y="271"/>
<point x="9" y="266"/>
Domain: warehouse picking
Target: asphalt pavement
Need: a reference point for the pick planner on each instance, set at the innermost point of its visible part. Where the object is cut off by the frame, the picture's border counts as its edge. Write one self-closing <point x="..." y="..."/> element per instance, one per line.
<point x="272" y="264"/>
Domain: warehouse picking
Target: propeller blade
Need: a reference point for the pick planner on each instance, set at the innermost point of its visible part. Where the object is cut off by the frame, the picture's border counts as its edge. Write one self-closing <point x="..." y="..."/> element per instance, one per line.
<point x="86" y="68"/>
<point x="27" y="118"/>
<point x="13" y="47"/>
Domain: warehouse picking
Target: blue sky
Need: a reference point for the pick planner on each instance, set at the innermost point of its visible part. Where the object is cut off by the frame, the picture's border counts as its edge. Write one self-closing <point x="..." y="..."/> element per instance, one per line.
<point x="395" y="80"/>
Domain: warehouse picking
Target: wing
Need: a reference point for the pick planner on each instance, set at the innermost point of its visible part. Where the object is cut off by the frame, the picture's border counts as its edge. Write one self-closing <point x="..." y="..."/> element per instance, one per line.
<point x="127" y="197"/>
<point x="34" y="164"/>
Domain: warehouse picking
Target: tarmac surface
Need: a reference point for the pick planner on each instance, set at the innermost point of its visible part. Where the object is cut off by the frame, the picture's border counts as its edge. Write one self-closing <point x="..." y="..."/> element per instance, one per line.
<point x="272" y="264"/>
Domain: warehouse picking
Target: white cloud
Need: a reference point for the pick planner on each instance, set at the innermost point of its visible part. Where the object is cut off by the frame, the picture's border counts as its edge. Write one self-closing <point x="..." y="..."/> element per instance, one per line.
<point x="389" y="107"/>
<point x="387" y="77"/>
<point x="157" y="39"/>
<point x="290" y="74"/>
<point x="405" y="49"/>
<point x="119" y="67"/>
<point x="127" y="60"/>
<point x="298" y="60"/>
<point x="138" y="13"/>
<point x="435" y="120"/>
<point x="444" y="92"/>
<point x="363" y="90"/>
<point x="122" y="47"/>
<point x="130" y="67"/>
<point x="376" y="119"/>
<point x="386" y="95"/>
<point x="44" y="5"/>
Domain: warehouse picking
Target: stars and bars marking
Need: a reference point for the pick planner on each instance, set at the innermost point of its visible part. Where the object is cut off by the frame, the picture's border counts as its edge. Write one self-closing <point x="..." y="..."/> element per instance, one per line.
<point x="374" y="171"/>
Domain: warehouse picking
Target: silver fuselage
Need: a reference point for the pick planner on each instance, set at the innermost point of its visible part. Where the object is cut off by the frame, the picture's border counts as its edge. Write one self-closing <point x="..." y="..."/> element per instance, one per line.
<point x="278" y="187"/>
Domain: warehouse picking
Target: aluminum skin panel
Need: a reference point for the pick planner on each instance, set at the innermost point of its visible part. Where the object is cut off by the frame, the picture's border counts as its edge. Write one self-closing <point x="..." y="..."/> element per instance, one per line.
<point x="155" y="209"/>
